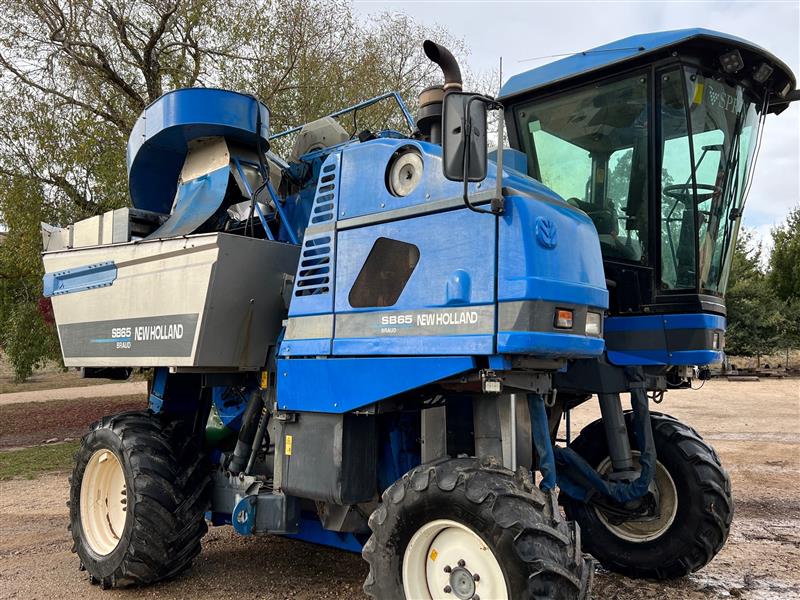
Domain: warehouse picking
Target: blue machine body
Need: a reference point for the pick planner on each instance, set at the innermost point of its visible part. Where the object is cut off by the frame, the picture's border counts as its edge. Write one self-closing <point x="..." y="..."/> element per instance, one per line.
<point x="676" y="337"/>
<point x="159" y="140"/>
<point x="476" y="284"/>
<point x="478" y="291"/>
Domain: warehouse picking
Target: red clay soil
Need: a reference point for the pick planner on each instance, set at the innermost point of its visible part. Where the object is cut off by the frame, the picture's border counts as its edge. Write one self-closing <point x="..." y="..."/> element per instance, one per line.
<point x="34" y="423"/>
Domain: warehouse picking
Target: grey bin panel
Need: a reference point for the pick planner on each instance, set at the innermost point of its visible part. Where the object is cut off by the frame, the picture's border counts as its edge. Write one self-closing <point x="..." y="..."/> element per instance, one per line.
<point x="209" y="301"/>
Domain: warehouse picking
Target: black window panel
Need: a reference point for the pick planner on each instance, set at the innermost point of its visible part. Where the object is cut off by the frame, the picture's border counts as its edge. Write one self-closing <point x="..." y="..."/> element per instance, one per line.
<point x="385" y="274"/>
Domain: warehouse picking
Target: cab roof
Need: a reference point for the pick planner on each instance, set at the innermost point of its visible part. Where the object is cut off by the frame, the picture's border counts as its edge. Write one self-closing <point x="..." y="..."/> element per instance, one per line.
<point x="633" y="49"/>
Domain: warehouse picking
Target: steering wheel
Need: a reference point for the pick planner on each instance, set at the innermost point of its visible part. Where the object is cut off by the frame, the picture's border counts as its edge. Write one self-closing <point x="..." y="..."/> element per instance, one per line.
<point x="682" y="192"/>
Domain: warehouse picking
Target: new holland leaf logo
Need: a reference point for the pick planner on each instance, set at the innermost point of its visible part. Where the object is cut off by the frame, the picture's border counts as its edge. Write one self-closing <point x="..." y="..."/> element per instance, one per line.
<point x="546" y="232"/>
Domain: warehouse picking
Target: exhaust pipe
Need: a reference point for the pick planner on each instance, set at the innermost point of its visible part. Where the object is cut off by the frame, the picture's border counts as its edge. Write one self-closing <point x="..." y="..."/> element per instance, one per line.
<point x="447" y="62"/>
<point x="429" y="117"/>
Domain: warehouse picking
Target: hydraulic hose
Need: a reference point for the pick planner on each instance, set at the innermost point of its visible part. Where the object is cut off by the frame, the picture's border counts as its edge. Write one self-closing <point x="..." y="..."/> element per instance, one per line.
<point x="579" y="480"/>
<point x="250" y="422"/>
<point x="541" y="441"/>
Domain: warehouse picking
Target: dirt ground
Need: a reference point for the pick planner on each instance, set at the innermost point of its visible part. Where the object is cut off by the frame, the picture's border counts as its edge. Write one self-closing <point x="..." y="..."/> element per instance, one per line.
<point x="50" y="377"/>
<point x="31" y="423"/>
<point x="754" y="426"/>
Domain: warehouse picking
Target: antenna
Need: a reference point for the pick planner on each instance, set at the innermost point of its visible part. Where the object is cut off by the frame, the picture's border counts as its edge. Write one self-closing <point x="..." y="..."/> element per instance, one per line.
<point x="584" y="52"/>
<point x="500" y="85"/>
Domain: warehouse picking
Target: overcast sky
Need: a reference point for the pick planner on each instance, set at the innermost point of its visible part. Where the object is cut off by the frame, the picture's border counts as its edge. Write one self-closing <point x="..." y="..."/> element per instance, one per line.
<point x="522" y="30"/>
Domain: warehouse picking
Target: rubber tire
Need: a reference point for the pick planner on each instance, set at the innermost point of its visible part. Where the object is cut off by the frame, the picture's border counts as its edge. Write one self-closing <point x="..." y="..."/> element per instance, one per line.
<point x="167" y="482"/>
<point x="705" y="505"/>
<point x="538" y="551"/>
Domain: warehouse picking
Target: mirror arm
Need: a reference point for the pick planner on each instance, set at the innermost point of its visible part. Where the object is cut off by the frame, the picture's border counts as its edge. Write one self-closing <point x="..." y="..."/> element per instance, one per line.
<point x="497" y="204"/>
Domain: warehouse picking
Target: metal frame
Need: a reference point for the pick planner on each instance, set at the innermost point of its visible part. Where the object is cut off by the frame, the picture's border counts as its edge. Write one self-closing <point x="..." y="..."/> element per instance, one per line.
<point x="356" y="107"/>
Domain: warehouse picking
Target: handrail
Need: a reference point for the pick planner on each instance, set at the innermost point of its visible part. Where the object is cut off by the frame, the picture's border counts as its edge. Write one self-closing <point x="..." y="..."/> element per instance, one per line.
<point x="406" y="114"/>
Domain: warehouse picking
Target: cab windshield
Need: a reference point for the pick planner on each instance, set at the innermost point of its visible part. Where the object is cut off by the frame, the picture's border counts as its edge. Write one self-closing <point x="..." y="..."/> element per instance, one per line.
<point x="591" y="146"/>
<point x="702" y="183"/>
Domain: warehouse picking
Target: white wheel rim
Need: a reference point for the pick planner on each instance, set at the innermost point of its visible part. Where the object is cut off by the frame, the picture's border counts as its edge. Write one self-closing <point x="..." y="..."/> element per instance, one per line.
<point x="646" y="531"/>
<point x="473" y="567"/>
<point x="103" y="502"/>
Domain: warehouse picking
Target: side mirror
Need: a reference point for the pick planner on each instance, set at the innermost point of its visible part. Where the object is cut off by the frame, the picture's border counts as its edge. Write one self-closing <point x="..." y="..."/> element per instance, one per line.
<point x="464" y="157"/>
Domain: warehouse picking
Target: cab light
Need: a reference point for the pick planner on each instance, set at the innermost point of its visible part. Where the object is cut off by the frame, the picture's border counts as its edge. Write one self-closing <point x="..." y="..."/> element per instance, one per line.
<point x="731" y="61"/>
<point x="563" y="318"/>
<point x="763" y="72"/>
<point x="594" y="323"/>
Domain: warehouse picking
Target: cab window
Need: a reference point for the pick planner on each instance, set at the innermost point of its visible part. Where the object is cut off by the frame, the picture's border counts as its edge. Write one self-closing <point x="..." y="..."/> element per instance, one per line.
<point x="590" y="147"/>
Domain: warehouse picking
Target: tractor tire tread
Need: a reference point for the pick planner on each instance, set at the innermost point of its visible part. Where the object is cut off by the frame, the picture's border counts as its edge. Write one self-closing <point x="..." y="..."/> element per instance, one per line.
<point x="170" y="497"/>
<point x="542" y="541"/>
<point x="715" y="513"/>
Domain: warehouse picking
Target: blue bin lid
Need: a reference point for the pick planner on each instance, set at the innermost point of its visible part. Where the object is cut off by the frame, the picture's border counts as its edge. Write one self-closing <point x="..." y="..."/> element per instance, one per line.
<point x="158" y="142"/>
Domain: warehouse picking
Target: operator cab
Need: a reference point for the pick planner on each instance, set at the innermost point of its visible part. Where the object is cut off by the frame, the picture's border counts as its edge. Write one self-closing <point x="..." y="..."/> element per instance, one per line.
<point x="654" y="137"/>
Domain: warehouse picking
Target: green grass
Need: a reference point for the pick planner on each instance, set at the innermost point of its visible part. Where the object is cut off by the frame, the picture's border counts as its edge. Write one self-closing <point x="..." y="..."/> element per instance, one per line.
<point x="28" y="463"/>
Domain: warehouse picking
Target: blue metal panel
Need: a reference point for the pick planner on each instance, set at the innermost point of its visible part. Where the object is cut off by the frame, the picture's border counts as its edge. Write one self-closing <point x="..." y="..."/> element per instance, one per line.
<point x="500" y="362"/>
<point x="244" y="515"/>
<point x="658" y="322"/>
<point x="297" y="207"/>
<point x="157" y="392"/>
<point x="417" y="345"/>
<point x="664" y="357"/>
<point x="512" y="159"/>
<point x="319" y="247"/>
<point x="636" y="323"/>
<point x="339" y="385"/>
<point x="311" y="531"/>
<point x="448" y="242"/>
<point x="639" y="357"/>
<point x="363" y="182"/>
<point x="623" y="50"/>
<point x="78" y="279"/>
<point x="550" y="344"/>
<point x="158" y="142"/>
<point x="400" y="451"/>
<point x="455" y="247"/>
<point x="230" y="406"/>
<point x="196" y="201"/>
<point x="528" y="269"/>
<point x="652" y="331"/>
<point x="694" y="321"/>
<point x="695" y="357"/>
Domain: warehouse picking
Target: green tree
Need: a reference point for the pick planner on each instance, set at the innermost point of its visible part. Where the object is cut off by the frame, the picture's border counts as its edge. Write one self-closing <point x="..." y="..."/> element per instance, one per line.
<point x="784" y="277"/>
<point x="755" y="315"/>
<point x="785" y="258"/>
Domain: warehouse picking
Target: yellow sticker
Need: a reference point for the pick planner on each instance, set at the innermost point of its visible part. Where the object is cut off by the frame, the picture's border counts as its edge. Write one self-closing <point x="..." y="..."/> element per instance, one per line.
<point x="288" y="446"/>
<point x="434" y="554"/>
<point x="264" y="380"/>
<point x="698" y="93"/>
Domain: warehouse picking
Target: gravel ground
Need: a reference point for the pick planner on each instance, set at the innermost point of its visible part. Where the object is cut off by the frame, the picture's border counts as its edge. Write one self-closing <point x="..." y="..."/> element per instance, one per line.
<point x="754" y="427"/>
